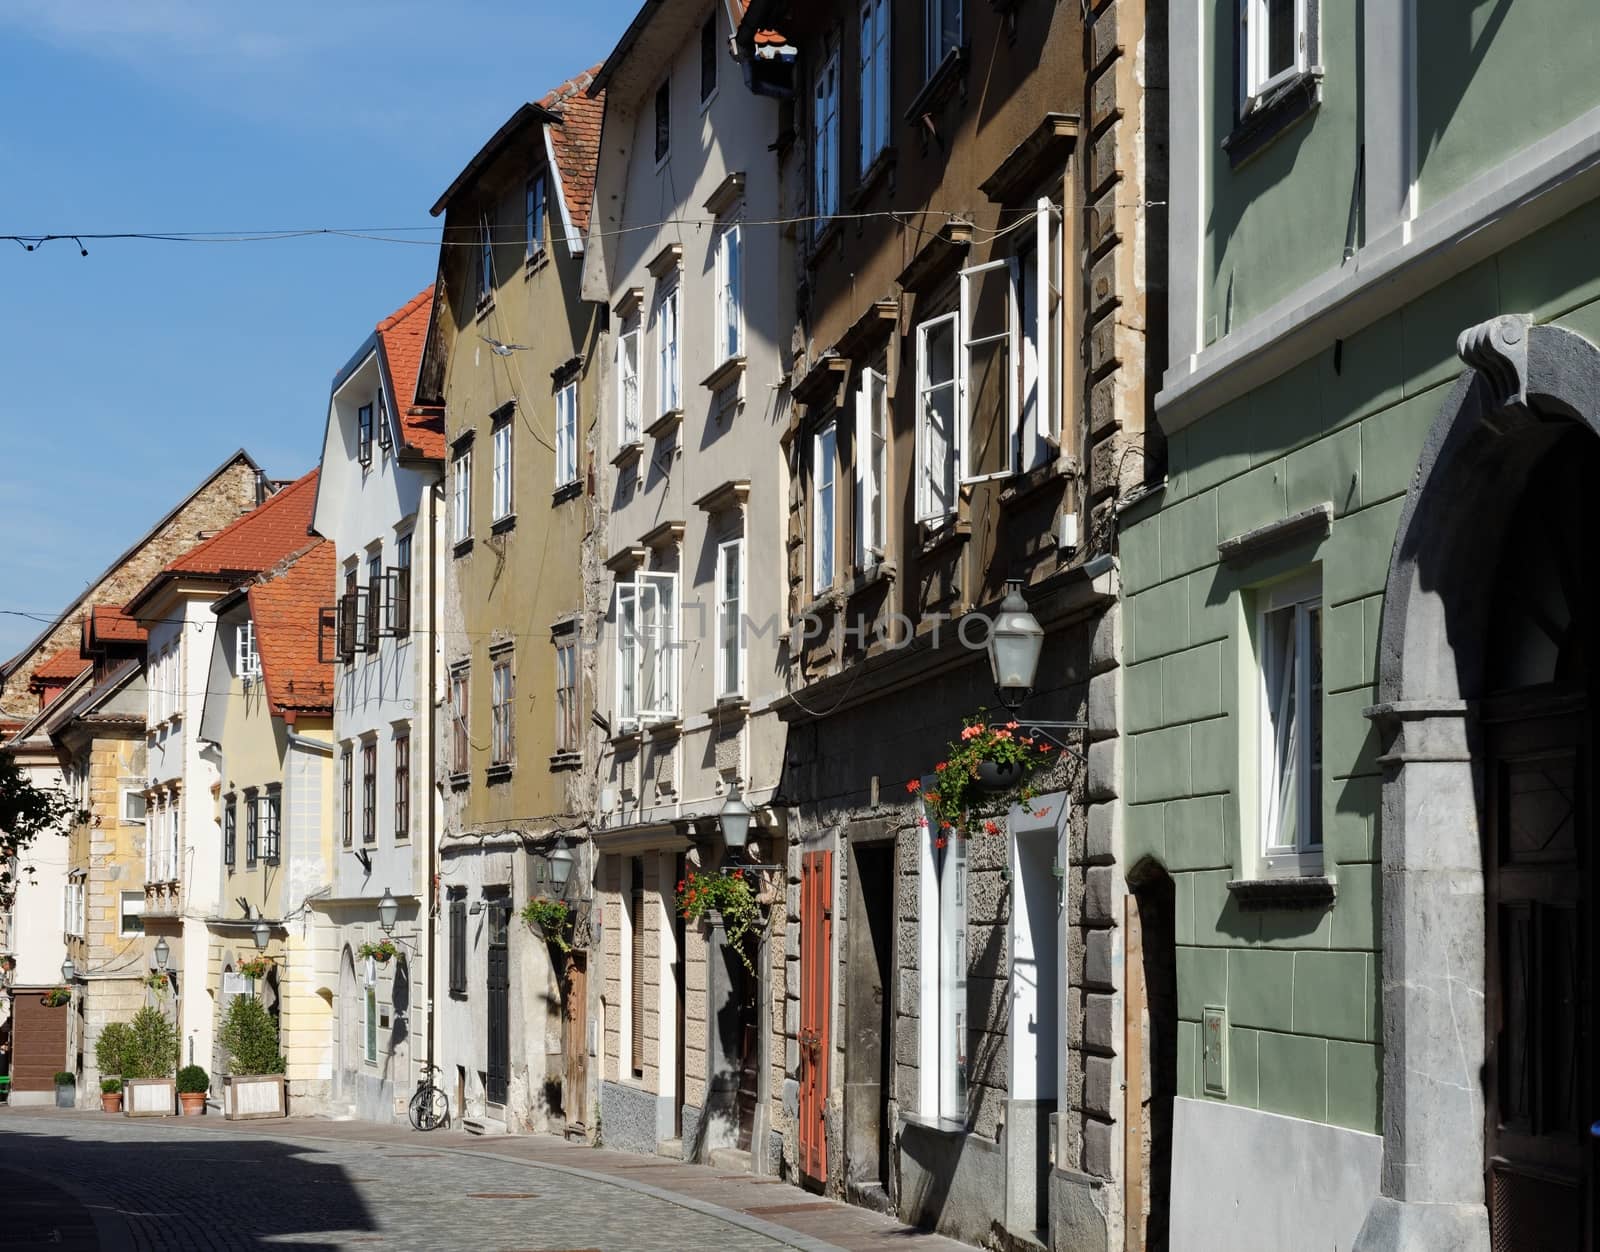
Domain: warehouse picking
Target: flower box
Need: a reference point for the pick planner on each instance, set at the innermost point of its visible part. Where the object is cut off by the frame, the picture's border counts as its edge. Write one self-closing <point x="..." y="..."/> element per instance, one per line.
<point x="149" y="1097"/>
<point x="249" y="1096"/>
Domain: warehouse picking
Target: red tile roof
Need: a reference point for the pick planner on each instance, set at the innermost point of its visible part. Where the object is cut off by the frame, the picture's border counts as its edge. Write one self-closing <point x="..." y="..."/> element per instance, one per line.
<point x="403" y="335"/>
<point x="109" y="624"/>
<point x="60" y="669"/>
<point x="260" y="539"/>
<point x="285" y="606"/>
<point x="576" y="142"/>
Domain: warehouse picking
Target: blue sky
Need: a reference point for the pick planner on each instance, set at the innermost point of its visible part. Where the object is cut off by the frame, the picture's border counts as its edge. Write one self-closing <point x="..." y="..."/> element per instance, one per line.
<point x="130" y="374"/>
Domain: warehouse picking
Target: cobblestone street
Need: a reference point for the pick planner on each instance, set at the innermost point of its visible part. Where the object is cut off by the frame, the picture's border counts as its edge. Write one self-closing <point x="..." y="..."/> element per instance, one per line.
<point x="88" y="1181"/>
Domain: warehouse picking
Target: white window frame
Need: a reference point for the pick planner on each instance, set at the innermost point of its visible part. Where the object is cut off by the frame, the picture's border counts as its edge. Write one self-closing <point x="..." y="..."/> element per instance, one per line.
<point x="970" y="343"/>
<point x="1256" y="81"/>
<point x="729" y="322"/>
<point x="129" y="904"/>
<point x="503" y="470"/>
<point x="125" y="799"/>
<point x="568" y="734"/>
<point x="730" y="685"/>
<point x="629" y="346"/>
<point x="647" y="608"/>
<point x="825" y="142"/>
<point x="567" y="434"/>
<point x="170" y="867"/>
<point x="943" y="968"/>
<point x="459" y="695"/>
<point x="934" y="49"/>
<point x="929" y="507"/>
<point x="876" y="66"/>
<point x="485" y="263"/>
<point x="461" y="496"/>
<point x="1039" y="361"/>
<point x="534" y="211"/>
<point x="502" y="708"/>
<point x="824" y="506"/>
<point x="872" y="468"/>
<point x="246" y="658"/>
<point x="669" y="348"/>
<point x="1300" y="596"/>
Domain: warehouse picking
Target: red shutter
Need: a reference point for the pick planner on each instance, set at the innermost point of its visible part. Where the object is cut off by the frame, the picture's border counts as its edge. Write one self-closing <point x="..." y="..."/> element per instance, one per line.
<point x="816" y="992"/>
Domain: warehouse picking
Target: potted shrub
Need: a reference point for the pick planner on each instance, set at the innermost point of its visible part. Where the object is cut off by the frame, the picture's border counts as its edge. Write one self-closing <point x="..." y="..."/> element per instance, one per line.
<point x="984" y="774"/>
<point x="727" y="899"/>
<point x="147" y="1065"/>
<point x="253" y="1085"/>
<point x="111" y="1095"/>
<point x="193" y="1084"/>
<point x="382" y="952"/>
<point x="66" y="1089"/>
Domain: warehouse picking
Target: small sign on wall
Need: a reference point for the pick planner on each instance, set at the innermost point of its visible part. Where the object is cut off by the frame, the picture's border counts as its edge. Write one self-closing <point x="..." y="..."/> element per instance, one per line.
<point x="1213" y="1037"/>
<point x="235" y="984"/>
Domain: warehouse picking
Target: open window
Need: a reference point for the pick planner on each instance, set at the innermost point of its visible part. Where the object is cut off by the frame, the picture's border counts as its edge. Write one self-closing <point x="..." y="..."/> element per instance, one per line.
<point x="872" y="468"/>
<point x="1274" y="47"/>
<point x="1040" y="308"/>
<point x="987" y="432"/>
<point x="647" y="647"/>
<point x="938" y="384"/>
<point x="1289" y="725"/>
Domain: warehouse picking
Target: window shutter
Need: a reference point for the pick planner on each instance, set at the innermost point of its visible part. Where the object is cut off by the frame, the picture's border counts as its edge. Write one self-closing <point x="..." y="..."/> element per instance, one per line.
<point x="636" y="913"/>
<point x="348" y="611"/>
<point x="863" y="457"/>
<point x="374" y="613"/>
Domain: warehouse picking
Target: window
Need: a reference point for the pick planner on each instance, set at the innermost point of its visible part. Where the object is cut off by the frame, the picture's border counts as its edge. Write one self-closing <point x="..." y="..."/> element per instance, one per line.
<point x="461" y="496"/>
<point x="72" y="907"/>
<point x="230" y="830"/>
<point x="647" y="647"/>
<point x="708" y="58"/>
<point x="371" y="1041"/>
<point x="663" y="121"/>
<point x="534" y="208"/>
<point x="1039" y="309"/>
<point x="364" y="434"/>
<point x="825" y="143"/>
<point x="872" y="467"/>
<point x="1273" y="41"/>
<point x="173" y="825"/>
<point x="369" y="792"/>
<point x="729" y="621"/>
<point x="502" y="695"/>
<point x="374" y="614"/>
<point x="348" y="617"/>
<point x="485" y="263"/>
<point x="383" y="423"/>
<point x="246" y="659"/>
<point x="347" y="769"/>
<point x="402" y="785"/>
<point x="460" y="760"/>
<point x="131" y="916"/>
<point x="730" y="300"/>
<point x="986" y="436"/>
<point x="133" y="807"/>
<point x="567" y="435"/>
<point x="272" y="817"/>
<point x="874" y="80"/>
<point x="943" y="972"/>
<point x="400" y="598"/>
<point x="669" y="376"/>
<point x="567" y="705"/>
<point x="502" y="469"/>
<point x="252" y="828"/>
<point x="824" y="455"/>
<point x="936" y="419"/>
<point x="628" y="383"/>
<point x="1289" y="657"/>
<point x="943" y="27"/>
<point x="458" y="941"/>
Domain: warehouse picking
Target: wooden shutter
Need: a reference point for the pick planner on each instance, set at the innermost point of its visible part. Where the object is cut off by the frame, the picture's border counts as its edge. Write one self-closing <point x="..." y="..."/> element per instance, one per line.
<point x="348" y="612"/>
<point x="636" y="916"/>
<point x="458" y="945"/>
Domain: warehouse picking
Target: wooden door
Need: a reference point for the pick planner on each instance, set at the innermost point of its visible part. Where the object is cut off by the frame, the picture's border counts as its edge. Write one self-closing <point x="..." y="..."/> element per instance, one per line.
<point x="816" y="993"/>
<point x="498" y="988"/>
<point x="1540" y="949"/>
<point x="575" y="1023"/>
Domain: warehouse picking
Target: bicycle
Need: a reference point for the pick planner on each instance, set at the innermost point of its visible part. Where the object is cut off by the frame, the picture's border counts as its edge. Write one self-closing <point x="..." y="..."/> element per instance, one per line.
<point x="430" y="1107"/>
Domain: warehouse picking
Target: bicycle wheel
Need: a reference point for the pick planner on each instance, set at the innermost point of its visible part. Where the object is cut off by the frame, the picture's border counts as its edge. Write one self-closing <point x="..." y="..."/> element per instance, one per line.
<point x="429" y="1109"/>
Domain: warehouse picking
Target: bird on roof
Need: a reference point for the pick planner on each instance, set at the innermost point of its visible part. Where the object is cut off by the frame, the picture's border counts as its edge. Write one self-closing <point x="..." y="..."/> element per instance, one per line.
<point x="502" y="349"/>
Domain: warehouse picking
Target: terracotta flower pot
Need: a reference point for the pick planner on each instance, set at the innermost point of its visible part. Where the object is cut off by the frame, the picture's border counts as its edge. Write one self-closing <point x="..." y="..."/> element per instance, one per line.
<point x="194" y="1102"/>
<point x="111" y="1101"/>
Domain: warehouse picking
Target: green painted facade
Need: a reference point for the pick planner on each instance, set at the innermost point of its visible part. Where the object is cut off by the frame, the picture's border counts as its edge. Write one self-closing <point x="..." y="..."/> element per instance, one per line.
<point x="1301" y="986"/>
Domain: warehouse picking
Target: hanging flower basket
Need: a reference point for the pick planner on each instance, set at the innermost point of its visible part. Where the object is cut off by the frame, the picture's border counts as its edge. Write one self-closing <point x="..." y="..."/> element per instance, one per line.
<point x="553" y="919"/>
<point x="156" y="982"/>
<point x="986" y="772"/>
<point x="254" y="967"/>
<point x="382" y="952"/>
<point x="728" y="898"/>
<point x="56" y="997"/>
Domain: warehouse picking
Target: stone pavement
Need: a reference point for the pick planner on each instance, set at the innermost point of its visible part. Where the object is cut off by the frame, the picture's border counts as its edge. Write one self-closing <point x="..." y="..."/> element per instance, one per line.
<point x="183" y="1183"/>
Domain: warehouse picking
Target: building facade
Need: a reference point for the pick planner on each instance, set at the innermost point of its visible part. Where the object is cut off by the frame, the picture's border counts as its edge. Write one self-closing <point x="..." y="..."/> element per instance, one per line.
<point x="377" y="505"/>
<point x="513" y="357"/>
<point x="1360" y="693"/>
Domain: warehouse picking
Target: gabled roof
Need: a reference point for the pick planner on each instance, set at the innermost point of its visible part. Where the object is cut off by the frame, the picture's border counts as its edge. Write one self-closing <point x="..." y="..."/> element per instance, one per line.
<point x="52" y="711"/>
<point x="285" y="605"/>
<point x="60" y="669"/>
<point x="402" y="335"/>
<point x="107" y="623"/>
<point x="270" y="532"/>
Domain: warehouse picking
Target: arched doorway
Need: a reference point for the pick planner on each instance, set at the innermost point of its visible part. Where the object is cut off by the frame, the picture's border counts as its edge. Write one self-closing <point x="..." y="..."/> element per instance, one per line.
<point x="1486" y="703"/>
<point x="348" y="1026"/>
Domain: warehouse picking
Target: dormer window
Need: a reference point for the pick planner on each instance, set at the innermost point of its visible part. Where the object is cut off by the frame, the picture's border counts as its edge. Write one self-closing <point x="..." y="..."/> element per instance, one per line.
<point x="534" y="208"/>
<point x="364" y="434"/>
<point x="663" y="121"/>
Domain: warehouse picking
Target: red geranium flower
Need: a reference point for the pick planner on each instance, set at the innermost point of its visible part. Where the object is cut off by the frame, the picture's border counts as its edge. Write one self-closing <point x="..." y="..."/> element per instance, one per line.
<point x="914" y="786"/>
<point x="989" y="828"/>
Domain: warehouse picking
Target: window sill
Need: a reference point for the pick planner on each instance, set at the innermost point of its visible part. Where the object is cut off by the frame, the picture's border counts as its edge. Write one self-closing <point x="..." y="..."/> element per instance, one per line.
<point x="666" y="728"/>
<point x="462" y="546"/>
<point x="562" y="761"/>
<point x="878" y="574"/>
<point x="730" y="706"/>
<point x="506" y="523"/>
<point x="567" y="491"/>
<point x="1297" y="891"/>
<point x="941" y="85"/>
<point x="535" y="261"/>
<point x="1029" y="483"/>
<point x="485" y="307"/>
<point x="665" y="424"/>
<point x="730" y="371"/>
<point x="952" y="530"/>
<point x="628" y="736"/>
<point x="628" y="454"/>
<point x="1273" y="115"/>
<point x="460" y="782"/>
<point x="498" y="773"/>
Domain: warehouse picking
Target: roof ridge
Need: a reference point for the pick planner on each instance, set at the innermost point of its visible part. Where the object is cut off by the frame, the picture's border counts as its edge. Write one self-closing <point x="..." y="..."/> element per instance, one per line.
<point x="423" y="297"/>
<point x="267" y="507"/>
<point x="567" y="89"/>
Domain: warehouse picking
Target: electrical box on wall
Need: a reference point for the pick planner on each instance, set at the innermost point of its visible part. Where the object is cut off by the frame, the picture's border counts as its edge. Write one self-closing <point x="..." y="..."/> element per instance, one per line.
<point x="1213" y="1051"/>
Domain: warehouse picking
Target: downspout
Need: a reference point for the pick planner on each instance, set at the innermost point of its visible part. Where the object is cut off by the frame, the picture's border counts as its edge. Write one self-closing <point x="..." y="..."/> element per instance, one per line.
<point x="433" y="755"/>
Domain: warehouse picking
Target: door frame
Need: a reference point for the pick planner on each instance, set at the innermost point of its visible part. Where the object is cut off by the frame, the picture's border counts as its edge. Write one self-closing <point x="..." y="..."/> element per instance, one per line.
<point x="817" y="886"/>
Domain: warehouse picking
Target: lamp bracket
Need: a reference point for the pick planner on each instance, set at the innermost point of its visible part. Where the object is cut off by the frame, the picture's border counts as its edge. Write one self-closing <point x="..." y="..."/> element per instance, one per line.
<point x="1035" y="728"/>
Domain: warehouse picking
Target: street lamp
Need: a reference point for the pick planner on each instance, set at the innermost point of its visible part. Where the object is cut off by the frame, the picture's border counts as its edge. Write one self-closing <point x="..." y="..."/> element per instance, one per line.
<point x="262" y="933"/>
<point x="68" y="970"/>
<point x="388" y="912"/>
<point x="561" y="860"/>
<point x="1014" y="646"/>
<point x="162" y="953"/>
<point x="734" y="819"/>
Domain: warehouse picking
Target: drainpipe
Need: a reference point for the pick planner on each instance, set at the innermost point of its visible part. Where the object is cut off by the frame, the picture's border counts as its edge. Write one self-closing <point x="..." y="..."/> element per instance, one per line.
<point x="434" y="565"/>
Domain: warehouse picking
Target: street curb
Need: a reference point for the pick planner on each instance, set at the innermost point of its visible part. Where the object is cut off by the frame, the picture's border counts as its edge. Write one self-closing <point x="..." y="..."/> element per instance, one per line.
<point x="785" y="1235"/>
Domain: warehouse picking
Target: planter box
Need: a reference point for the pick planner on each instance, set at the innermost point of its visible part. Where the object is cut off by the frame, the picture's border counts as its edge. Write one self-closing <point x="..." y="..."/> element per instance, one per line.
<point x="149" y="1097"/>
<point x="66" y="1097"/>
<point x="247" y="1096"/>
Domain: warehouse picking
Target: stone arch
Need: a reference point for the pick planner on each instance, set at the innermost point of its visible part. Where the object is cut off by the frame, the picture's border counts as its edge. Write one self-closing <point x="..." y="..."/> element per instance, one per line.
<point x="1525" y="386"/>
<point x="1152" y="987"/>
